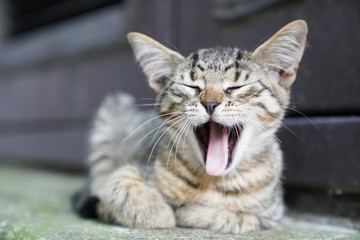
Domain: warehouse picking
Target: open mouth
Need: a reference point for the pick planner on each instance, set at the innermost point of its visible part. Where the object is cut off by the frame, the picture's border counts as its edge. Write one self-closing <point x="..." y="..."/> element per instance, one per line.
<point x="217" y="142"/>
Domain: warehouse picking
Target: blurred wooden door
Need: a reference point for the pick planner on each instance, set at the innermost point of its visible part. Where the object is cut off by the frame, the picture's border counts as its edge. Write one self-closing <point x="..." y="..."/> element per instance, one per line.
<point x="50" y="92"/>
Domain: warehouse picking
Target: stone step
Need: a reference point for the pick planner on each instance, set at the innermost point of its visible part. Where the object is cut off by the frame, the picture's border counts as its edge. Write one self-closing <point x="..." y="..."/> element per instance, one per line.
<point x="35" y="204"/>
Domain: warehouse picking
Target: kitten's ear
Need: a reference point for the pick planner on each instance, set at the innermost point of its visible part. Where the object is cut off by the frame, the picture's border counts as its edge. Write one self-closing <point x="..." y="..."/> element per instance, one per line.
<point x="157" y="61"/>
<point x="283" y="51"/>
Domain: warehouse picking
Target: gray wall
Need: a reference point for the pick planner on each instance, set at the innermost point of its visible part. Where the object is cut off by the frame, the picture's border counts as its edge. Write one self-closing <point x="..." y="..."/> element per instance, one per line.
<point x="53" y="80"/>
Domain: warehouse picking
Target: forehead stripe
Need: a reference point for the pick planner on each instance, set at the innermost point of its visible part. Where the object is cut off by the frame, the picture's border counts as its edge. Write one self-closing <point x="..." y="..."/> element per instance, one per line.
<point x="228" y="67"/>
<point x="192" y="75"/>
<point x="195" y="58"/>
<point x="239" y="55"/>
<point x="237" y="75"/>
<point x="200" y="67"/>
<point x="238" y="58"/>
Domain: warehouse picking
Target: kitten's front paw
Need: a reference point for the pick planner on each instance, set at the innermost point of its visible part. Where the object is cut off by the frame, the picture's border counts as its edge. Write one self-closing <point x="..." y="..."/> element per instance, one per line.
<point x="131" y="203"/>
<point x="219" y="220"/>
<point x="156" y="214"/>
<point x="144" y="208"/>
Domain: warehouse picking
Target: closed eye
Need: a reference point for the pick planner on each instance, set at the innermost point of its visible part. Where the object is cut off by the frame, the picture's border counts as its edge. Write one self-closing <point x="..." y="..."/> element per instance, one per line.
<point x="198" y="90"/>
<point x="230" y="89"/>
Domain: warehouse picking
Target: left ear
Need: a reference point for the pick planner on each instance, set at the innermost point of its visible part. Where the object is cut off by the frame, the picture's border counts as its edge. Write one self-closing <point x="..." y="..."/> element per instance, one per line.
<point x="157" y="61"/>
<point x="284" y="50"/>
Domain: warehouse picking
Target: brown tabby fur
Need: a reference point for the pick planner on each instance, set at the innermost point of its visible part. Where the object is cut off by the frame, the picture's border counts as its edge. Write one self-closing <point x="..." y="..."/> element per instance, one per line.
<point x="138" y="185"/>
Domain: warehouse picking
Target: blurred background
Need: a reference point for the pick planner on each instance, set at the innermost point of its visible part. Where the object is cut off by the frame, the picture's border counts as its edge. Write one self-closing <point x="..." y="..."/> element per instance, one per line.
<point x="59" y="58"/>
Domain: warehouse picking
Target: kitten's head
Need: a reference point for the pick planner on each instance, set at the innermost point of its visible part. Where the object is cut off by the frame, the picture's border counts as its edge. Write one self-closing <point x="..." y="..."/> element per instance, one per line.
<point x="228" y="96"/>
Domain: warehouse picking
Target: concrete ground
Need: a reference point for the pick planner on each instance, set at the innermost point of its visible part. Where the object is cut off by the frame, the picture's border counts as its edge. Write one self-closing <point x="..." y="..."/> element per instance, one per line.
<point x="36" y="205"/>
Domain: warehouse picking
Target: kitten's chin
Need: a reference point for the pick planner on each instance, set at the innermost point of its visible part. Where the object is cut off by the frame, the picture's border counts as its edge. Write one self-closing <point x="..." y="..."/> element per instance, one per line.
<point x="217" y="143"/>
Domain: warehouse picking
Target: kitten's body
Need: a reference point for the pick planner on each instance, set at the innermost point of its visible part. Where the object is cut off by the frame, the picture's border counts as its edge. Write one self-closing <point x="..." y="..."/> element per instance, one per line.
<point x="215" y="163"/>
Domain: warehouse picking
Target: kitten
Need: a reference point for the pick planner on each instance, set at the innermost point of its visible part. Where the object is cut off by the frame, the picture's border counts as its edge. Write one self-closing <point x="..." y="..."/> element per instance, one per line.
<point x="213" y="161"/>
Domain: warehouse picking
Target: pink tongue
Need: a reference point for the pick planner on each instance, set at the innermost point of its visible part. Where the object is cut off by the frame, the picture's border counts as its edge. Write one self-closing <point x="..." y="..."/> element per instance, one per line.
<point x="217" y="154"/>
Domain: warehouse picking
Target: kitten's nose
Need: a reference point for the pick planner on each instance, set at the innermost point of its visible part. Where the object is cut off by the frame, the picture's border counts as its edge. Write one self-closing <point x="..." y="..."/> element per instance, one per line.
<point x="210" y="106"/>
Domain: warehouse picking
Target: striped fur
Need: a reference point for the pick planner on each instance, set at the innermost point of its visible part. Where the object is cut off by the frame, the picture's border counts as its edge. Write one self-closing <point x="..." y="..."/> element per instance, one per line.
<point x="153" y="175"/>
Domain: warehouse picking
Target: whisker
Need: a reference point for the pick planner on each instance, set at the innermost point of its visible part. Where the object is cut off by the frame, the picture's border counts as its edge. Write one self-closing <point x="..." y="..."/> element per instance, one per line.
<point x="146" y="136"/>
<point x="238" y="129"/>
<point x="302" y="114"/>
<point x="177" y="131"/>
<point x="287" y="128"/>
<point x="190" y="124"/>
<point x="148" y="98"/>
<point x="152" y="140"/>
<point x="283" y="125"/>
<point x="147" y="104"/>
<point x="152" y="119"/>
<point x="172" y="136"/>
<point x="152" y="150"/>
<point x="186" y="127"/>
<point x="266" y="130"/>
<point x="187" y="130"/>
<point x="178" y="139"/>
<point x="173" y="46"/>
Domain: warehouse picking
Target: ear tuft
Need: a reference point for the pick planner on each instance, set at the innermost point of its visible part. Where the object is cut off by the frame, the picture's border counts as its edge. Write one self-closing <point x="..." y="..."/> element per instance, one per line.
<point x="157" y="61"/>
<point x="284" y="50"/>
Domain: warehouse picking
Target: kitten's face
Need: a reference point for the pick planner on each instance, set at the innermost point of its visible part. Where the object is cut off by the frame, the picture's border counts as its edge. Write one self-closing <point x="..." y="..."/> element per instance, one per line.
<point x="229" y="99"/>
<point x="228" y="92"/>
<point x="223" y="95"/>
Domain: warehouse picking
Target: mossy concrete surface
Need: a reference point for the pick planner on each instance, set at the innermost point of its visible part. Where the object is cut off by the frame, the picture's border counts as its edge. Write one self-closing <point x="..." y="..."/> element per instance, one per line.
<point x="36" y="205"/>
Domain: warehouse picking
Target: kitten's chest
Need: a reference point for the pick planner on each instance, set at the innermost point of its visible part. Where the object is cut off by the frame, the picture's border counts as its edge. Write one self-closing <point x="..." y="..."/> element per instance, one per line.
<point x="181" y="187"/>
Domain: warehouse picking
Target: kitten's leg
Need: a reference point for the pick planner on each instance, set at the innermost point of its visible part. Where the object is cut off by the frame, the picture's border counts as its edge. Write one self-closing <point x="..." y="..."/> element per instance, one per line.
<point x="220" y="220"/>
<point x="125" y="199"/>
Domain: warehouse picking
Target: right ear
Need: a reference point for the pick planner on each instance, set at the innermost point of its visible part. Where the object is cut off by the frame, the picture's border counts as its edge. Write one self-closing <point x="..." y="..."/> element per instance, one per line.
<point x="284" y="50"/>
<point x="157" y="61"/>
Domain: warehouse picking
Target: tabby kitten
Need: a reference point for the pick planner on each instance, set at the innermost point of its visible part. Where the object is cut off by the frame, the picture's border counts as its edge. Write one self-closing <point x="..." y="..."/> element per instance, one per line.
<point x="213" y="161"/>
